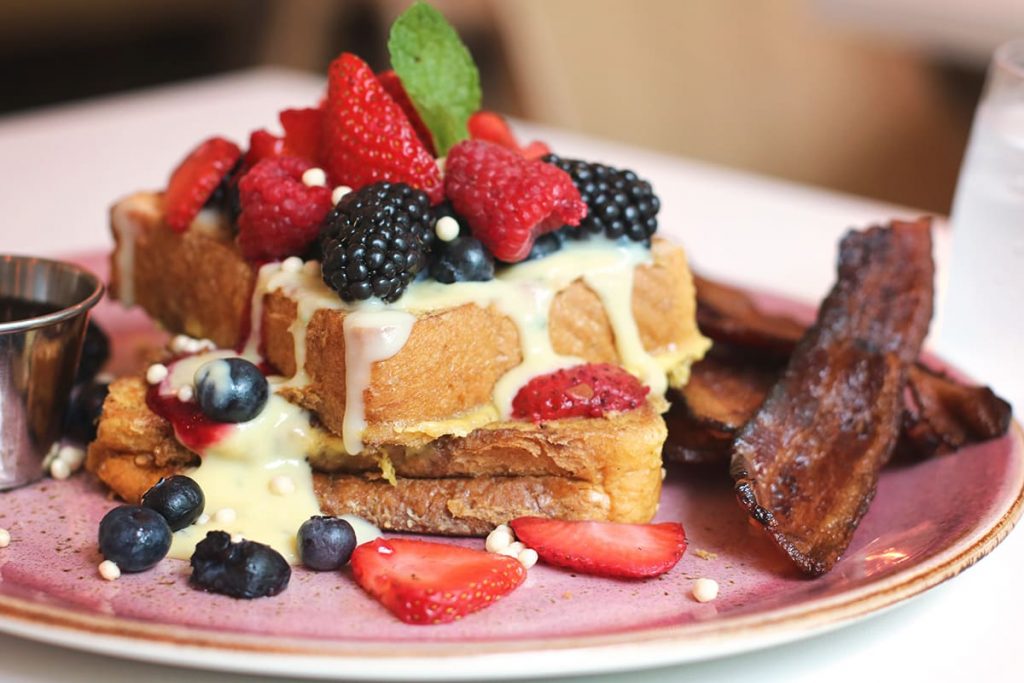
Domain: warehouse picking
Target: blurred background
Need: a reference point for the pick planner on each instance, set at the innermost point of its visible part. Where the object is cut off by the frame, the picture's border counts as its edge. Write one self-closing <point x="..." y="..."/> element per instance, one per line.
<point x="871" y="97"/>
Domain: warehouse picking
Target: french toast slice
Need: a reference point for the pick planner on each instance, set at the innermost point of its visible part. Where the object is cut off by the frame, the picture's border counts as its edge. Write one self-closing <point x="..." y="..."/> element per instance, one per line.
<point x="597" y="468"/>
<point x="198" y="283"/>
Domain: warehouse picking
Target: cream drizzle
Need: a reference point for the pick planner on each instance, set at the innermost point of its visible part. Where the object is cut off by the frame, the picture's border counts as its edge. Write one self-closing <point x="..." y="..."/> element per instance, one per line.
<point x="523" y="292"/>
<point x="370" y="335"/>
<point x="237" y="470"/>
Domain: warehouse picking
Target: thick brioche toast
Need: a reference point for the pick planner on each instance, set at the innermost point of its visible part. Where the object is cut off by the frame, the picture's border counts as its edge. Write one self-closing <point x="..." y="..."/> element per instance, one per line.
<point x="198" y="283"/>
<point x="600" y="468"/>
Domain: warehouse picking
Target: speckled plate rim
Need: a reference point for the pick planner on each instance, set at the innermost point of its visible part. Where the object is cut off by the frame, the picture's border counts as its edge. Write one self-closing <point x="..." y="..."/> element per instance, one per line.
<point x="578" y="655"/>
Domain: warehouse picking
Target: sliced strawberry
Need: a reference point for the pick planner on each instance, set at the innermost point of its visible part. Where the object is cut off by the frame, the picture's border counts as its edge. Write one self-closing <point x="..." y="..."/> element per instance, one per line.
<point x="589" y="390"/>
<point x="433" y="583"/>
<point x="508" y="200"/>
<point x="367" y="136"/>
<point x="263" y="145"/>
<point x="535" y="150"/>
<point x="393" y="84"/>
<point x="631" y="551"/>
<point x="195" y="179"/>
<point x="303" y="132"/>
<point x="492" y="127"/>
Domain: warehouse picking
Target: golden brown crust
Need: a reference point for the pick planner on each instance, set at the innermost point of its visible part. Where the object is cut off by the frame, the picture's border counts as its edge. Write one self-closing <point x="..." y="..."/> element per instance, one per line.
<point x="607" y="468"/>
<point x="196" y="284"/>
<point x="133" y="446"/>
<point x="460" y="507"/>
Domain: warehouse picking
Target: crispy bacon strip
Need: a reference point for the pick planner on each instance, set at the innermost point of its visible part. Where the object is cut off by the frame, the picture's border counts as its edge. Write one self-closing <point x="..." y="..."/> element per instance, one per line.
<point x="806" y="466"/>
<point x="941" y="414"/>
<point x="725" y="389"/>
<point x="726" y="314"/>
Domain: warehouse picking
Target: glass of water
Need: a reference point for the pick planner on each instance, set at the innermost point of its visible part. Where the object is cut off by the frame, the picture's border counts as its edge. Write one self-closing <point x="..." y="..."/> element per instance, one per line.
<point x="983" y="316"/>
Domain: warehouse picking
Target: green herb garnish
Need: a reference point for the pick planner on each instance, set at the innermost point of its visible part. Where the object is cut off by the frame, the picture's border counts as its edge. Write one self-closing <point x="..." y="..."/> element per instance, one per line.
<point x="437" y="72"/>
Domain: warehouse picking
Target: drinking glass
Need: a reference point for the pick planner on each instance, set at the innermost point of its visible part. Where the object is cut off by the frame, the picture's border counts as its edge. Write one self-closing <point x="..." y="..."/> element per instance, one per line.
<point x="983" y="316"/>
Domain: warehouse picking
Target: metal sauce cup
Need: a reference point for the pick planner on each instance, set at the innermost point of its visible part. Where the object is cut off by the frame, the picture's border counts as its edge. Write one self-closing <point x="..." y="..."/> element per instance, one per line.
<point x="38" y="358"/>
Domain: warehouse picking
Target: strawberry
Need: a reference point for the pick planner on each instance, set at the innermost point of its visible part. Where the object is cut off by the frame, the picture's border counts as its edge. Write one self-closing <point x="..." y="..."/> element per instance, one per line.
<point x="590" y="390"/>
<point x="302" y="132"/>
<point x="195" y="179"/>
<point x="630" y="551"/>
<point x="393" y="84"/>
<point x="433" y="583"/>
<point x="487" y="125"/>
<point x="366" y="136"/>
<point x="280" y="216"/>
<point x="508" y="200"/>
<point x="262" y="145"/>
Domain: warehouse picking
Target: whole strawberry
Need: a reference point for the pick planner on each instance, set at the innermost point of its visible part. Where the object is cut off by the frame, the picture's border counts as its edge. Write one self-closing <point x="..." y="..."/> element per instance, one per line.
<point x="195" y="179"/>
<point x="590" y="390"/>
<point x="509" y="200"/>
<point x="422" y="582"/>
<point x="368" y="138"/>
<point x="280" y="215"/>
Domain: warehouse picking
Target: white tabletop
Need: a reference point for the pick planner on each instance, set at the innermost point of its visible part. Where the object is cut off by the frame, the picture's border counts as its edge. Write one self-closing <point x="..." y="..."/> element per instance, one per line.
<point x="61" y="168"/>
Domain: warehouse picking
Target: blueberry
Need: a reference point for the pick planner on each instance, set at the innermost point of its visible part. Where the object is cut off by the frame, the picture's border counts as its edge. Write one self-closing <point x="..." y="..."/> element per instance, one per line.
<point x="464" y="259"/>
<point x="84" y="411"/>
<point x="134" y="538"/>
<point x="326" y="543"/>
<point x="545" y="245"/>
<point x="178" y="499"/>
<point x="231" y="390"/>
<point x="95" y="353"/>
<point x="241" y="570"/>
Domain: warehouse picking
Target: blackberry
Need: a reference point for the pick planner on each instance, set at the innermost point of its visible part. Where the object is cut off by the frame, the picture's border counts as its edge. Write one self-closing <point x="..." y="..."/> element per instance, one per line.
<point x="619" y="204"/>
<point x="376" y="240"/>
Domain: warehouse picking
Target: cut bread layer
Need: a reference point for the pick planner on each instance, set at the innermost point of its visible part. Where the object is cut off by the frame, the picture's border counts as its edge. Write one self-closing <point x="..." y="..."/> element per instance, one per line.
<point x="441" y="381"/>
<point x="603" y="468"/>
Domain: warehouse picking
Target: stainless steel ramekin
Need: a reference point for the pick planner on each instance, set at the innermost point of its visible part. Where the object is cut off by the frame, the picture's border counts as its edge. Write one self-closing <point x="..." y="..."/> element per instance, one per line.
<point x="38" y="359"/>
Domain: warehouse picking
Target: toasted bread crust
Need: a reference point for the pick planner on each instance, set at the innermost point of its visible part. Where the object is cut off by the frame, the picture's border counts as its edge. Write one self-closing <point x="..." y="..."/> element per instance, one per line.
<point x="133" y="446"/>
<point x="605" y="468"/>
<point x="199" y="284"/>
<point x="195" y="282"/>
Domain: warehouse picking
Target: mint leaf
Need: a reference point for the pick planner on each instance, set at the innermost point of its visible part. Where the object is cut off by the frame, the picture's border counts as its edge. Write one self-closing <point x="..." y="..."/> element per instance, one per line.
<point x="437" y="72"/>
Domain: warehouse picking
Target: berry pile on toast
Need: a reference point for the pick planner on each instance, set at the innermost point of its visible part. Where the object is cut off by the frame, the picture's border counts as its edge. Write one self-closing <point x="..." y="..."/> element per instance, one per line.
<point x="447" y="330"/>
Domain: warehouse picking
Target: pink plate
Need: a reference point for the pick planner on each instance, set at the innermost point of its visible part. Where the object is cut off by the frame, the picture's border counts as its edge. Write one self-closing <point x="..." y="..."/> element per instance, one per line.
<point x="928" y="522"/>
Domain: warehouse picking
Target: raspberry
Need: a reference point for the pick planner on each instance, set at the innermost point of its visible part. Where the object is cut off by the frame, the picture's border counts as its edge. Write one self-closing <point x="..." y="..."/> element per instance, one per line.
<point x="367" y="138"/>
<point x="375" y="241"/>
<point x="509" y="200"/>
<point x="487" y="125"/>
<point x="280" y="215"/>
<point x="195" y="179"/>
<point x="393" y="84"/>
<point x="590" y="390"/>
<point x="619" y="203"/>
